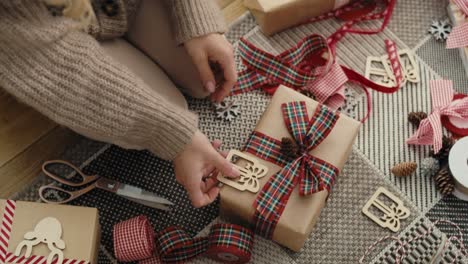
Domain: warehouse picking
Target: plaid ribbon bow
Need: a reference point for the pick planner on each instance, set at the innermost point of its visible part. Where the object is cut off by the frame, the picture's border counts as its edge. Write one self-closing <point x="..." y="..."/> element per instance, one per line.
<point x="458" y="38"/>
<point x="134" y="240"/>
<point x="304" y="66"/>
<point x="430" y="129"/>
<point x="311" y="173"/>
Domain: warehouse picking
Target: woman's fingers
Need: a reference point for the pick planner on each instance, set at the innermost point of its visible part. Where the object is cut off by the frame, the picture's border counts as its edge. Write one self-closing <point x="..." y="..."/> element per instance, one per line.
<point x="206" y="74"/>
<point x="200" y="198"/>
<point x="224" y="166"/>
<point x="208" y="184"/>
<point x="216" y="143"/>
<point x="226" y="59"/>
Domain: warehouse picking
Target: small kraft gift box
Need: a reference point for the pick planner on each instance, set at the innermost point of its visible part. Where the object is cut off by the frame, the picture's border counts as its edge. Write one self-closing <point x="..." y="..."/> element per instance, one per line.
<point x="47" y="233"/>
<point x="276" y="15"/>
<point x="292" y="160"/>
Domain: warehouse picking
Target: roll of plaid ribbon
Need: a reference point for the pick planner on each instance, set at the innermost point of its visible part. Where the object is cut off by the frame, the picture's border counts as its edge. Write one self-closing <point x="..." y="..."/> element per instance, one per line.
<point x="226" y="243"/>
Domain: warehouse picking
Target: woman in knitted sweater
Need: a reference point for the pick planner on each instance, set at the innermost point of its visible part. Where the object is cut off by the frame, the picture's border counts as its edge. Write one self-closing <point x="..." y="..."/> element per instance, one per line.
<point x="111" y="70"/>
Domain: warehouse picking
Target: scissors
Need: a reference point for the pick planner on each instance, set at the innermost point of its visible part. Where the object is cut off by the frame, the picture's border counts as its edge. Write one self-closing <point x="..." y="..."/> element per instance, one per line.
<point x="90" y="182"/>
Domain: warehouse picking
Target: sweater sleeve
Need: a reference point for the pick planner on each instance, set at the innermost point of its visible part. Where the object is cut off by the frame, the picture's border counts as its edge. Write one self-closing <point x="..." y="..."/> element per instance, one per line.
<point x="64" y="74"/>
<point x="194" y="18"/>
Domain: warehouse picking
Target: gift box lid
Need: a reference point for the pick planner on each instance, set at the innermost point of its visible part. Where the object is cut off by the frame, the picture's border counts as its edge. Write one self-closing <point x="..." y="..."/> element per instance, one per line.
<point x="80" y="229"/>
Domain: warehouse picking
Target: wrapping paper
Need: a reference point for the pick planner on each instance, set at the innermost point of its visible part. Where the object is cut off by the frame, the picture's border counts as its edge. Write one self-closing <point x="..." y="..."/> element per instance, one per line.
<point x="276" y="15"/>
<point x="80" y="231"/>
<point x="301" y="212"/>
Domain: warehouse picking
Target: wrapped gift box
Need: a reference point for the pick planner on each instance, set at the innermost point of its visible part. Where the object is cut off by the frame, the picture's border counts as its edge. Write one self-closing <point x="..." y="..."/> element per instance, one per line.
<point x="276" y="15"/>
<point x="80" y="231"/>
<point x="301" y="212"/>
<point x="458" y="18"/>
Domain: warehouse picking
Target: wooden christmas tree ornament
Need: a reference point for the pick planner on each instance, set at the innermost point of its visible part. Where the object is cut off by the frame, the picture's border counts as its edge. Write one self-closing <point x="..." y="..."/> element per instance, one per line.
<point x="415" y="118"/>
<point x="404" y="169"/>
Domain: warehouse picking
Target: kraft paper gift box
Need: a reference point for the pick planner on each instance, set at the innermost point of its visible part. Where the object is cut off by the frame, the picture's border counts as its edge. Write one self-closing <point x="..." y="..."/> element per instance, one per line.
<point x="276" y="15"/>
<point x="301" y="212"/>
<point x="80" y="232"/>
<point x="458" y="18"/>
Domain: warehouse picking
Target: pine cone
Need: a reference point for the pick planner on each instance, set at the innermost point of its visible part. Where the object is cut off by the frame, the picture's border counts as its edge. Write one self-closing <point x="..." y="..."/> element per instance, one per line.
<point x="429" y="166"/>
<point x="444" y="181"/>
<point x="415" y="118"/>
<point x="404" y="169"/>
<point x="289" y="148"/>
<point x="442" y="155"/>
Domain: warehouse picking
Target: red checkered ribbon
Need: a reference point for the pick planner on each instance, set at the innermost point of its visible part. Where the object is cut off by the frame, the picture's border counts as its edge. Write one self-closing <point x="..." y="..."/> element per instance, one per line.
<point x="311" y="173"/>
<point x="430" y="129"/>
<point x="133" y="241"/>
<point x="458" y="38"/>
<point x="303" y="67"/>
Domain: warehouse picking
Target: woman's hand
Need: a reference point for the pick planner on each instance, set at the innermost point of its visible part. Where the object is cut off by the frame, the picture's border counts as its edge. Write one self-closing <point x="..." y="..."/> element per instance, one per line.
<point x="213" y="48"/>
<point x="196" y="168"/>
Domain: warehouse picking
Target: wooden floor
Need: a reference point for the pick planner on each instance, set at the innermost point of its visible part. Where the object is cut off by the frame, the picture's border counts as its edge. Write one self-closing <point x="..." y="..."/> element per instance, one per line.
<point x="27" y="138"/>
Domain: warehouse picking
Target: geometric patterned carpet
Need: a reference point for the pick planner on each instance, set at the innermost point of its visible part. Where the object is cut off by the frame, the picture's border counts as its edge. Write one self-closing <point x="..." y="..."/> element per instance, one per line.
<point x="342" y="233"/>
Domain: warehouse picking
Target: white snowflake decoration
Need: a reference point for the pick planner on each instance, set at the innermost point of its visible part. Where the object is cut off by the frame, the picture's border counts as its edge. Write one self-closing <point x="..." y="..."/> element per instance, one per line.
<point x="440" y="29"/>
<point x="227" y="111"/>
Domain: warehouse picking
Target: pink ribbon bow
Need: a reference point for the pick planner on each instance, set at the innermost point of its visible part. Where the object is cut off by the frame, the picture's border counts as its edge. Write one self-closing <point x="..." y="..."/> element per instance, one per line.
<point x="430" y="129"/>
<point x="458" y="38"/>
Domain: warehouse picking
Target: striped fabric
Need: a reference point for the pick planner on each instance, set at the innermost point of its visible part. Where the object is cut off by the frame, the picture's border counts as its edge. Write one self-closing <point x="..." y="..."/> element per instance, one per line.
<point x="310" y="173"/>
<point x="430" y="130"/>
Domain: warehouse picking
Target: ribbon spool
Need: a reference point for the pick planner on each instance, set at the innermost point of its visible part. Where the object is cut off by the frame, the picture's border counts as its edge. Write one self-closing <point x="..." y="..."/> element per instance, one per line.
<point x="134" y="240"/>
<point x="458" y="163"/>
<point x="229" y="250"/>
<point x="455" y="125"/>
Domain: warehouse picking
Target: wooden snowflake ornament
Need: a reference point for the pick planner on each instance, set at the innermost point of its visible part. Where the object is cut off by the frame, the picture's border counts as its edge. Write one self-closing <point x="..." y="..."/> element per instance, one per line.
<point x="440" y="29"/>
<point x="227" y="110"/>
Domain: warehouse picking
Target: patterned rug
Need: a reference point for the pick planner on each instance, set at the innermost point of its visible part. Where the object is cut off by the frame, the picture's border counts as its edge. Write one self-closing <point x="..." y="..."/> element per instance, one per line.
<point x="343" y="233"/>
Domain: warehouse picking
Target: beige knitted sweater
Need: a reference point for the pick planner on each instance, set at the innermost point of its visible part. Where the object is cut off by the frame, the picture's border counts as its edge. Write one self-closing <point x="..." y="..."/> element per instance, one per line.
<point x="62" y="72"/>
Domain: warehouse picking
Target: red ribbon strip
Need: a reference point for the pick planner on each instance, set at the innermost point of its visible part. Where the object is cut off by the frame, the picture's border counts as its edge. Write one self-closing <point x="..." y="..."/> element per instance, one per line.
<point x="311" y="173"/>
<point x="134" y="240"/>
<point x="303" y="67"/>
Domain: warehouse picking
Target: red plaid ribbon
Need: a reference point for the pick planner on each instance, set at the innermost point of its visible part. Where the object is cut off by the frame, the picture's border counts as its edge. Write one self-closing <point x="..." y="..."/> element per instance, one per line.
<point x="303" y="67"/>
<point x="311" y="173"/>
<point x="134" y="241"/>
